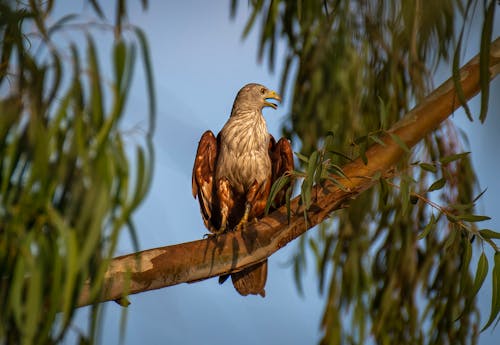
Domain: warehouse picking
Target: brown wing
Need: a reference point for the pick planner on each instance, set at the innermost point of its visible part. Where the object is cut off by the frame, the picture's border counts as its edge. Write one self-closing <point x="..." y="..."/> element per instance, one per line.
<point x="281" y="161"/>
<point x="204" y="175"/>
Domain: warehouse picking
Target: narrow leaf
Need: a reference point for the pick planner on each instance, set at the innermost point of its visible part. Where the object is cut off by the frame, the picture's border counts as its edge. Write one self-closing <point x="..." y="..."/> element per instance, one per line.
<point x="377" y="140"/>
<point x="456" y="76"/>
<point x="148" y="68"/>
<point x="437" y="185"/>
<point x="277" y="186"/>
<point x="479" y="196"/>
<point x="454" y="157"/>
<point x="495" y="293"/>
<point x="340" y="154"/>
<point x="484" y="59"/>
<point x="473" y="218"/>
<point x="400" y="142"/>
<point x="301" y="157"/>
<point x="481" y="272"/>
<point x="487" y="233"/>
<point x="428" y="228"/>
<point x="428" y="167"/>
<point x="384" y="191"/>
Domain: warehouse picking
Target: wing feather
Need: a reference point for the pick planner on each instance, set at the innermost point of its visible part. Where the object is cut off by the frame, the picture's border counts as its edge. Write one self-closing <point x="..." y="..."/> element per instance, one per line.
<point x="204" y="175"/>
<point x="281" y="155"/>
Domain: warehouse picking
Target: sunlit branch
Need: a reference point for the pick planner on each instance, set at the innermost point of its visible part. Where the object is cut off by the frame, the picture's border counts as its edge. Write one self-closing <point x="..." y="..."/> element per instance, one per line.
<point x="198" y="260"/>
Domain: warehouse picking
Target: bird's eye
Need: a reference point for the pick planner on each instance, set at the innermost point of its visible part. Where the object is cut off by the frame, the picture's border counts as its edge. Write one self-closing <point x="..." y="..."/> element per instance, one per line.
<point x="263" y="91"/>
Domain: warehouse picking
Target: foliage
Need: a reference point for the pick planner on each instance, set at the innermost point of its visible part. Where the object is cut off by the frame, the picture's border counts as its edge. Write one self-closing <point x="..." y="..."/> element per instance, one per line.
<point x="67" y="186"/>
<point x="395" y="265"/>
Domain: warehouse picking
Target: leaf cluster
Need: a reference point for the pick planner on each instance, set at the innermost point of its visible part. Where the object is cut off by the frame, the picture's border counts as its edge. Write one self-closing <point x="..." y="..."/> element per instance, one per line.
<point x="356" y="67"/>
<point x="67" y="186"/>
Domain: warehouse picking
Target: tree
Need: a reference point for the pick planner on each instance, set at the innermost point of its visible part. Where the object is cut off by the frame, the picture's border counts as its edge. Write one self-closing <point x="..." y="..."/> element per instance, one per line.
<point x="198" y="260"/>
<point x="67" y="184"/>
<point x="360" y="66"/>
<point x="334" y="62"/>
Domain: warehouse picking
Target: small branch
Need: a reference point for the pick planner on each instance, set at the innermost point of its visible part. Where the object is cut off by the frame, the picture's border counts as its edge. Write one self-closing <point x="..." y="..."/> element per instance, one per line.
<point x="193" y="261"/>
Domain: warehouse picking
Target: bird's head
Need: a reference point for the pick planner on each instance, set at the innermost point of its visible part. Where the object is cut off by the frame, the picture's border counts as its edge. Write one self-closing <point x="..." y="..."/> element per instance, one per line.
<point x="254" y="97"/>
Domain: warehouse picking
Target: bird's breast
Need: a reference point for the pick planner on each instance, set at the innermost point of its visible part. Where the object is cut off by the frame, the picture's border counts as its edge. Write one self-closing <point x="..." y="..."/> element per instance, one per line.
<point x="243" y="156"/>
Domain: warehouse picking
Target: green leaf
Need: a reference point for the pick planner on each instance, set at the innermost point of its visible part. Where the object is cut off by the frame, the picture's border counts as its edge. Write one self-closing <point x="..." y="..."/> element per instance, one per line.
<point x="481" y="272"/>
<point x="452" y="158"/>
<point x="301" y="157"/>
<point x="97" y="8"/>
<point x="34" y="301"/>
<point x="495" y="293"/>
<point x="96" y="99"/>
<point x="319" y="171"/>
<point x="16" y="297"/>
<point x="487" y="233"/>
<point x="297" y="274"/>
<point x="384" y="113"/>
<point x="315" y="249"/>
<point x="277" y="186"/>
<point x="148" y="68"/>
<point x="428" y="167"/>
<point x="60" y="23"/>
<point x="484" y="59"/>
<point x="467" y="255"/>
<point x="384" y="191"/>
<point x="430" y="226"/>
<point x="398" y="141"/>
<point x="119" y="55"/>
<point x="337" y="170"/>
<point x="256" y="9"/>
<point x="377" y="140"/>
<point x="340" y="154"/>
<point x="404" y="192"/>
<point x="480" y="195"/>
<point x="288" y="195"/>
<point x="308" y="180"/>
<point x="336" y="183"/>
<point x="323" y="265"/>
<point x="473" y="218"/>
<point x="456" y="74"/>
<point x="437" y="185"/>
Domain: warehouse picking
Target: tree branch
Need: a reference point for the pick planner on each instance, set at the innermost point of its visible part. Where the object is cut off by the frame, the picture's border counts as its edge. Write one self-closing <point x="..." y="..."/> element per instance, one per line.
<point x="198" y="260"/>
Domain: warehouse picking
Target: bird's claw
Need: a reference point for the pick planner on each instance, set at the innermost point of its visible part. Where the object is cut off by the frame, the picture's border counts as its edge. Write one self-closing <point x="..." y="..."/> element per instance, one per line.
<point x="215" y="233"/>
<point x="242" y="225"/>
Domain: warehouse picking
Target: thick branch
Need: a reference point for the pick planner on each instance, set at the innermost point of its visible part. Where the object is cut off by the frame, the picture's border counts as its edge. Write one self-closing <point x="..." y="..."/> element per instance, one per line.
<point x="189" y="262"/>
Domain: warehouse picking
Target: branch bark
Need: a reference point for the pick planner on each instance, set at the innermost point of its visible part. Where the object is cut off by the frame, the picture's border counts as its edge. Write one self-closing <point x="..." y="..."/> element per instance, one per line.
<point x="198" y="260"/>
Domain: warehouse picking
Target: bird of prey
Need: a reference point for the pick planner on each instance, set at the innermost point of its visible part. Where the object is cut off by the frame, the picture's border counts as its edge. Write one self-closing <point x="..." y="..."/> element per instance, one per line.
<point x="233" y="175"/>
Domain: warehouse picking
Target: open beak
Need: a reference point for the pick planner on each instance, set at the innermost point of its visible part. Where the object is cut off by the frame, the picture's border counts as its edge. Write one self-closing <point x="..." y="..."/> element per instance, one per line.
<point x="273" y="95"/>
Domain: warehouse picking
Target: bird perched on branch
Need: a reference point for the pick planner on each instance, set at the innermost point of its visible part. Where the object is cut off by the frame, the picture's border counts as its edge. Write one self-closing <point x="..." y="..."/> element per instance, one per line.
<point x="233" y="175"/>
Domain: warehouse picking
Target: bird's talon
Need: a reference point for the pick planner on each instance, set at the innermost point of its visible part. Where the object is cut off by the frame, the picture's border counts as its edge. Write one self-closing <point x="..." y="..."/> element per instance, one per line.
<point x="242" y="226"/>
<point x="215" y="233"/>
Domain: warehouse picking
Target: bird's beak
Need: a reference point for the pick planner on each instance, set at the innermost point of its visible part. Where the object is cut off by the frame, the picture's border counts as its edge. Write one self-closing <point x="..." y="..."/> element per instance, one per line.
<point x="273" y="95"/>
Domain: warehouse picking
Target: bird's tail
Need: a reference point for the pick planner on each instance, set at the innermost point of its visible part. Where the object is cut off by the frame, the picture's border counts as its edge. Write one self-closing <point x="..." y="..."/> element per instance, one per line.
<point x="251" y="280"/>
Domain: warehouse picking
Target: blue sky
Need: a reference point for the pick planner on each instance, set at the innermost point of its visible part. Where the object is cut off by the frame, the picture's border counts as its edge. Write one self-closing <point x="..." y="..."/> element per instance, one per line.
<point x="200" y="62"/>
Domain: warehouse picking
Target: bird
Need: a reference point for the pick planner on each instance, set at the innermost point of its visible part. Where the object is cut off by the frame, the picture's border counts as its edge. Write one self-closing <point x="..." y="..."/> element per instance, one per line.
<point x="233" y="174"/>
